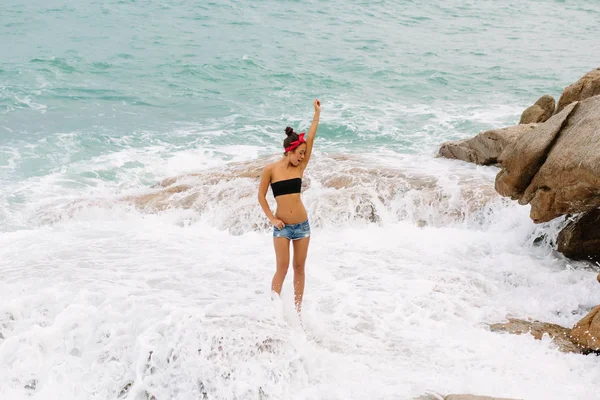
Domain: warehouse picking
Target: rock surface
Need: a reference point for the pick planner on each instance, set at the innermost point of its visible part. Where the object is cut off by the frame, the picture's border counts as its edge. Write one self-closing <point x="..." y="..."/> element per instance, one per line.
<point x="540" y="111"/>
<point x="459" y="397"/>
<point x="484" y="148"/>
<point x="560" y="335"/>
<point x="587" y="86"/>
<point x="555" y="167"/>
<point x="580" y="239"/>
<point x="586" y="333"/>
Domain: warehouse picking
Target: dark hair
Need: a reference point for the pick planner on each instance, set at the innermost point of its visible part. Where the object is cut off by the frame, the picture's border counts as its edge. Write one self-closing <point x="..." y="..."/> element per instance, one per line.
<point x="291" y="137"/>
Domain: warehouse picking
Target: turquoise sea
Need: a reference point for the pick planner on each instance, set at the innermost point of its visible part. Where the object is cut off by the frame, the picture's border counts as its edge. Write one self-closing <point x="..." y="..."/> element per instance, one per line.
<point x="411" y="255"/>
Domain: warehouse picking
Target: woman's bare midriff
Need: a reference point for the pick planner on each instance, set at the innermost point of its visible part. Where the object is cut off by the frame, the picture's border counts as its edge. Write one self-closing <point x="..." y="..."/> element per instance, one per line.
<point x="290" y="209"/>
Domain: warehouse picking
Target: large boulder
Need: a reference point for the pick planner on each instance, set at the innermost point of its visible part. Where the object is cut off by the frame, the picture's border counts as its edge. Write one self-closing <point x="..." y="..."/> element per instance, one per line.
<point x="555" y="167"/>
<point x="522" y="159"/>
<point x="484" y="148"/>
<point x="580" y="238"/>
<point x="540" y="111"/>
<point x="586" y="333"/>
<point x="587" y="86"/>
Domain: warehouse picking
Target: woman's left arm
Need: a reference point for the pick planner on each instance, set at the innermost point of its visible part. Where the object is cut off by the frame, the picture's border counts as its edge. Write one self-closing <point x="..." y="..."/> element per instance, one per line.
<point x="312" y="132"/>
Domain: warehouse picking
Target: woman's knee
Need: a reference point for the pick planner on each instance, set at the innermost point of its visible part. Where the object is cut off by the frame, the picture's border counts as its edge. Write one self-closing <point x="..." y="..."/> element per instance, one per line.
<point x="282" y="267"/>
<point x="299" y="268"/>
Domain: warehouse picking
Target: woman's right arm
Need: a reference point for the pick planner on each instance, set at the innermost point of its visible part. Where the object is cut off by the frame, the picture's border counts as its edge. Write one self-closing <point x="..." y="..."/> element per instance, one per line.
<point x="265" y="179"/>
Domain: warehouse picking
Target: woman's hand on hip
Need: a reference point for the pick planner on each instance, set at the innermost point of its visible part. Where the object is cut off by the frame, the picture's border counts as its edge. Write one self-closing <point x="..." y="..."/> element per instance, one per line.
<point x="277" y="223"/>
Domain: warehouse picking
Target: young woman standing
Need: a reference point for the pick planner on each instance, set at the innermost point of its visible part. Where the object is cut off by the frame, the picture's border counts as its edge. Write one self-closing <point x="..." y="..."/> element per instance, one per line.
<point x="290" y="221"/>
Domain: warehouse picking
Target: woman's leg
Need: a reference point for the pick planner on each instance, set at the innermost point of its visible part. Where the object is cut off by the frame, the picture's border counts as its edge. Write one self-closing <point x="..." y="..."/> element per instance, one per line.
<point x="300" y="252"/>
<point x="282" y="257"/>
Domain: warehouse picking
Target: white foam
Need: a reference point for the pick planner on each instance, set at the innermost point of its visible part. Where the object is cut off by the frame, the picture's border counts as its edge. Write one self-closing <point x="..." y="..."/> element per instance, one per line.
<point x="26" y="101"/>
<point x="111" y="300"/>
<point x="11" y="160"/>
<point x="389" y="311"/>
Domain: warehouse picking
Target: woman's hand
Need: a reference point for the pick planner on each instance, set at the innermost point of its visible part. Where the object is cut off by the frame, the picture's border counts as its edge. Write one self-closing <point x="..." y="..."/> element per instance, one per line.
<point x="277" y="223"/>
<point x="317" y="105"/>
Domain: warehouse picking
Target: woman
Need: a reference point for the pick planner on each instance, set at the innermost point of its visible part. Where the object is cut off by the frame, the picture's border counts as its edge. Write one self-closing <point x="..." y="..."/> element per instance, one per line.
<point x="290" y="220"/>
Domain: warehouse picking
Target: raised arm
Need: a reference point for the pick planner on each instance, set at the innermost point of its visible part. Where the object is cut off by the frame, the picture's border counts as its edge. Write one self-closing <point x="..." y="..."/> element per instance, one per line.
<point x="312" y="132"/>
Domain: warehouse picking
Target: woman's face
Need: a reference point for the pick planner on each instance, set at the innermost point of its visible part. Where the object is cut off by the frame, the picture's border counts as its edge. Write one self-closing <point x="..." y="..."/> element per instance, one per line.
<point x="297" y="155"/>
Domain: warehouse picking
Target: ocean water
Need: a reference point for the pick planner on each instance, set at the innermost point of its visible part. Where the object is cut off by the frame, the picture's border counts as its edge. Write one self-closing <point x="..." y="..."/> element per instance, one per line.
<point x="135" y="261"/>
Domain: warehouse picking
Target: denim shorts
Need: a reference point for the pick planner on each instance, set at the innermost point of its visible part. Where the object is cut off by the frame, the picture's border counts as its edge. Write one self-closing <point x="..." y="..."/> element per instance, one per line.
<point x="293" y="231"/>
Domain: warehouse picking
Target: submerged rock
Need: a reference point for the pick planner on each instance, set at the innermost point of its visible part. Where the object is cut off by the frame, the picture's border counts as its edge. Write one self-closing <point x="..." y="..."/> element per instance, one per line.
<point x="31" y="385"/>
<point x="338" y="188"/>
<point x="459" y="397"/>
<point x="583" y="338"/>
<point x="430" y="397"/>
<point x="474" y="397"/>
<point x="559" y="334"/>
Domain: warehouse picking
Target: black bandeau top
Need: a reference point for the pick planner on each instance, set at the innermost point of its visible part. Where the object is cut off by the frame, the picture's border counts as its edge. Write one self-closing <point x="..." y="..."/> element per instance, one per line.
<point x="286" y="186"/>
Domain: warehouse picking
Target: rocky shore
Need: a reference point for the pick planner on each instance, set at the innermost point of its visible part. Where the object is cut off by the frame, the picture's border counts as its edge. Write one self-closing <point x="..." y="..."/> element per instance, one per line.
<point x="551" y="161"/>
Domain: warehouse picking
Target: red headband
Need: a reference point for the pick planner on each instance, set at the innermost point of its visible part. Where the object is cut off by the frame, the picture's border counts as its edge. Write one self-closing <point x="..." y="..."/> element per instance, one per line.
<point x="296" y="143"/>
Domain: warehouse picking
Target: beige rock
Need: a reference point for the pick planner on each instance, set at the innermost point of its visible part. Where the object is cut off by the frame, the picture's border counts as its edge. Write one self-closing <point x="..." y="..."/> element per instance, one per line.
<point x="556" y="166"/>
<point x="521" y="159"/>
<point x="586" y="333"/>
<point x="352" y="187"/>
<point x="459" y="397"/>
<point x="430" y="397"/>
<point x="484" y="148"/>
<point x="540" y="111"/>
<point x="560" y="335"/>
<point x="473" y="397"/>
<point x="580" y="239"/>
<point x="587" y="86"/>
<point x="568" y="182"/>
<point x="533" y="114"/>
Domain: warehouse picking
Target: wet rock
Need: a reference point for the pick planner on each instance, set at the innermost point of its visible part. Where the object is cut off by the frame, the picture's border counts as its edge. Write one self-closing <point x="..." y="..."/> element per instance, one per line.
<point x="473" y="397"/>
<point x="261" y="394"/>
<point x="430" y="397"/>
<point x="586" y="333"/>
<point x="559" y="334"/>
<point x="202" y="390"/>
<point x="31" y="385"/>
<point x="149" y="396"/>
<point x="580" y="238"/>
<point x="459" y="397"/>
<point x="125" y="390"/>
